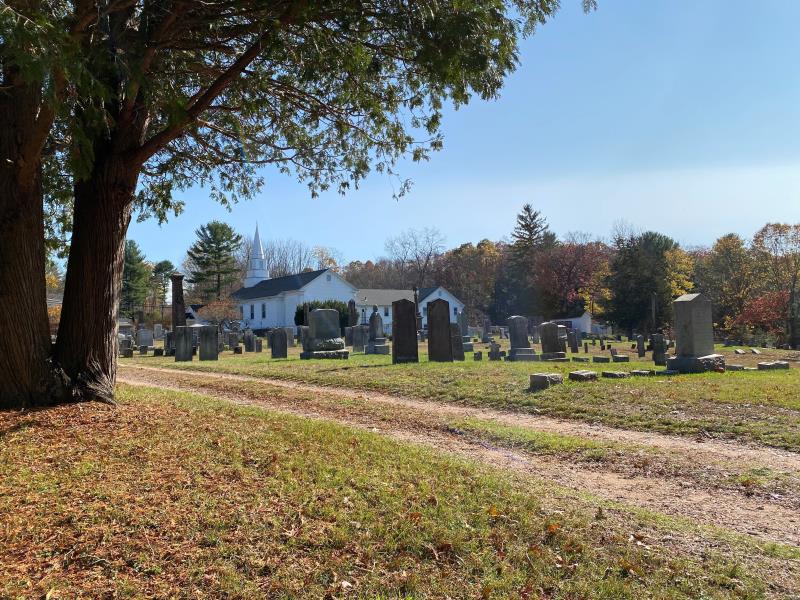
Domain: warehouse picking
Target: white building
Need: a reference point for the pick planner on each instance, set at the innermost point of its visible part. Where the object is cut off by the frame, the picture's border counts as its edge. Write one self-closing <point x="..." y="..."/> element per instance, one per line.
<point x="267" y="303"/>
<point x="585" y="323"/>
<point x="367" y="298"/>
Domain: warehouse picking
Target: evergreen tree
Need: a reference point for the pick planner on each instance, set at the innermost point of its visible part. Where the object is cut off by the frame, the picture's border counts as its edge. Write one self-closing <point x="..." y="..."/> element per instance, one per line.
<point x="532" y="233"/>
<point x="530" y="238"/>
<point x="159" y="282"/>
<point x="212" y="260"/>
<point x="135" y="279"/>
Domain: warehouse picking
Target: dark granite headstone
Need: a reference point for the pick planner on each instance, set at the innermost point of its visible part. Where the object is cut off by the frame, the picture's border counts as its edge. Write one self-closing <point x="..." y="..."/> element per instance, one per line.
<point x="278" y="343"/>
<point x="178" y="306"/>
<point x="440" y="344"/>
<point x="518" y="332"/>
<point x="183" y="344"/>
<point x="209" y="342"/>
<point x="456" y="342"/>
<point x="352" y="313"/>
<point x="549" y="334"/>
<point x="404" y="332"/>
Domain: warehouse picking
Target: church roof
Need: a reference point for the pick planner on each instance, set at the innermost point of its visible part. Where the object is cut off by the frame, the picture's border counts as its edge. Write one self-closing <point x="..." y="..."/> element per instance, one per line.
<point x="382" y="297"/>
<point x="277" y="285"/>
<point x="425" y="292"/>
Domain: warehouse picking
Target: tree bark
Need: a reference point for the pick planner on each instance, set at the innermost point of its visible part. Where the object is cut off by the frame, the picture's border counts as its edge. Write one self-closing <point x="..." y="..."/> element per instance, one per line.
<point x="27" y="374"/>
<point x="87" y="345"/>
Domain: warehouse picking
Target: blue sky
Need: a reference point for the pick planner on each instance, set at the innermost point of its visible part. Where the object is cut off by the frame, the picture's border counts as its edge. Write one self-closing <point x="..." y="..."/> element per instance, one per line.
<point x="679" y="116"/>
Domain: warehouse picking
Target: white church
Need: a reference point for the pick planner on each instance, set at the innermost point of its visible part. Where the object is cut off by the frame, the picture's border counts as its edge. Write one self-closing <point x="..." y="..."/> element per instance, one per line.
<point x="267" y="303"/>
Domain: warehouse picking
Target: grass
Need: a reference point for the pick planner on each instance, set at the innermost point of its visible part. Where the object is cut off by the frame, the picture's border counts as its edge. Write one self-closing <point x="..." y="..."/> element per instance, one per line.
<point x="179" y="495"/>
<point x="757" y="406"/>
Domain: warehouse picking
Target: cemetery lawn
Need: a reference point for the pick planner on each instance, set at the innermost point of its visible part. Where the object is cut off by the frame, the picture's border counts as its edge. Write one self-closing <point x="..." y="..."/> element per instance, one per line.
<point x="179" y="494"/>
<point x="762" y="407"/>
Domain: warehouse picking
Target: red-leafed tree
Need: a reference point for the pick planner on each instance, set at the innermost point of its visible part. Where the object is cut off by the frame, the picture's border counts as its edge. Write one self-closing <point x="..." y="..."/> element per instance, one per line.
<point x="766" y="313"/>
<point x="565" y="273"/>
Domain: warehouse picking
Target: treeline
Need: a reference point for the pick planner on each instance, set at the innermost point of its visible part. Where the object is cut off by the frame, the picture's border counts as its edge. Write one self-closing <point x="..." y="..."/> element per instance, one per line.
<point x="629" y="280"/>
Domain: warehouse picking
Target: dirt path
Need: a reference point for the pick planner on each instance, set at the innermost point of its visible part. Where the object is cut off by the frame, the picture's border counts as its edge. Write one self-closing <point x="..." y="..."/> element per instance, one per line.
<point x="769" y="520"/>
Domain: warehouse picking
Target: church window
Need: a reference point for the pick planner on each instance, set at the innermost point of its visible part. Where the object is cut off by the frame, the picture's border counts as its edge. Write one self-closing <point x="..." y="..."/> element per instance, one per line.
<point x="425" y="311"/>
<point x="385" y="311"/>
<point x="455" y="311"/>
<point x="327" y="278"/>
<point x="252" y="311"/>
<point x="263" y="310"/>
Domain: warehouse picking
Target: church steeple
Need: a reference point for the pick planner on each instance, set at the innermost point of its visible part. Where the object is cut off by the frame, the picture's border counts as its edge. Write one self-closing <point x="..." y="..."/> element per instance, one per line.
<point x="258" y="249"/>
<point x="256" y="269"/>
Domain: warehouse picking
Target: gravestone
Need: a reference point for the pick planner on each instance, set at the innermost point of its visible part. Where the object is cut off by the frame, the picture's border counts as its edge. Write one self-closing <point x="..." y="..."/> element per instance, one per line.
<point x="377" y="334"/>
<point x="542" y="381"/>
<point x="694" y="336"/>
<point x="583" y="375"/>
<point x="158" y="331"/>
<point x="348" y="336"/>
<point x="477" y="355"/>
<point x="572" y="339"/>
<point x="169" y="343"/>
<point x="289" y="336"/>
<point x="640" y="350"/>
<point x="457" y="342"/>
<point x="259" y="345"/>
<point x="585" y="347"/>
<point x="178" y="306"/>
<point x="494" y="351"/>
<point x="518" y="332"/>
<point x="694" y="333"/>
<point x="158" y="352"/>
<point x="183" y="344"/>
<point x="278" y="343"/>
<point x="440" y="344"/>
<point x="249" y="340"/>
<point x="360" y="338"/>
<point x="404" y="332"/>
<point x="486" y="336"/>
<point x="463" y="323"/>
<point x="659" y="349"/>
<point x="209" y="342"/>
<point x="562" y="338"/>
<point x="322" y="338"/>
<point x="352" y="313"/>
<point x="144" y="337"/>
<point x="520" y="346"/>
<point x="549" y="334"/>
<point x="143" y="350"/>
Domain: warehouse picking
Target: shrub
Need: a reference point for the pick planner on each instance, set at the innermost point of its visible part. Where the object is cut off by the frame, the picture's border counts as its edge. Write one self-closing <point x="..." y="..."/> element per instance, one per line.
<point x="299" y="314"/>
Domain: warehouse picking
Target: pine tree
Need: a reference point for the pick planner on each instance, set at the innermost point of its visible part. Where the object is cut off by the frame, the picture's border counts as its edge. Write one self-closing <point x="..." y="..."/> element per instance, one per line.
<point x="531" y="237"/>
<point x="531" y="233"/>
<point x="212" y="260"/>
<point x="159" y="282"/>
<point x="135" y="279"/>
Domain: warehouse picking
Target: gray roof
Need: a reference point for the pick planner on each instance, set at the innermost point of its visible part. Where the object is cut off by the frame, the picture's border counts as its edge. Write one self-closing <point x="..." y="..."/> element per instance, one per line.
<point x="425" y="292"/>
<point x="382" y="297"/>
<point x="278" y="285"/>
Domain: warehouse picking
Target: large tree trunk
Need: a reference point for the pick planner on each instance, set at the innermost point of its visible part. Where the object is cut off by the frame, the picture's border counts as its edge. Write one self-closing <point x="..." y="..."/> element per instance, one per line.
<point x="87" y="337"/>
<point x="27" y="375"/>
